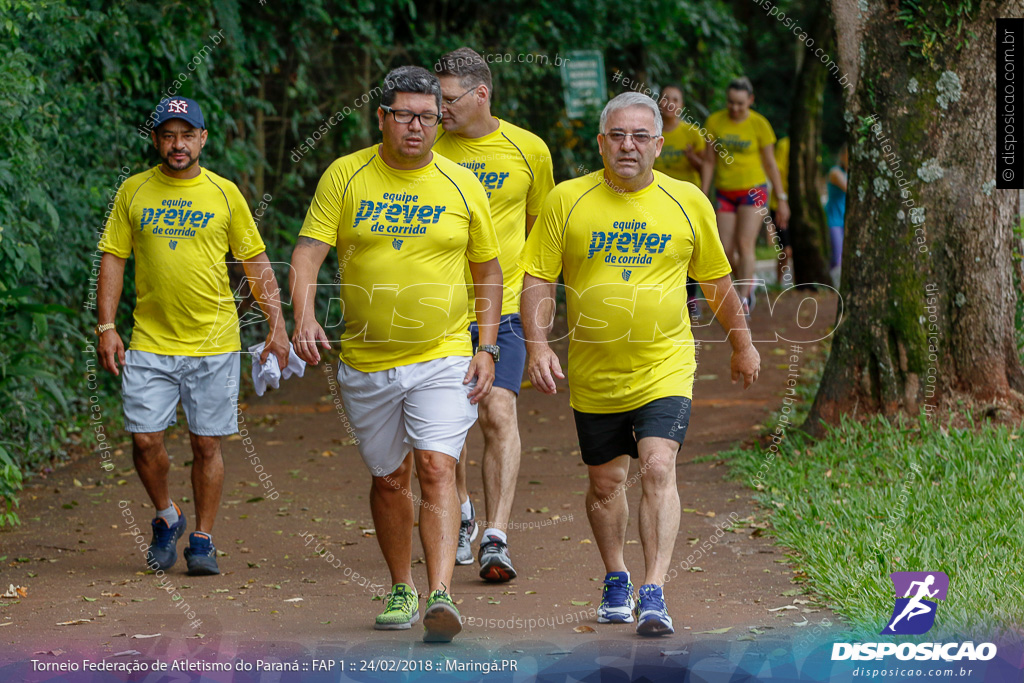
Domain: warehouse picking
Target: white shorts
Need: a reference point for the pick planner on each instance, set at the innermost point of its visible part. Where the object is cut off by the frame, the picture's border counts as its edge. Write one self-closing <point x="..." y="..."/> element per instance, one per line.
<point x="207" y="387"/>
<point x="421" y="405"/>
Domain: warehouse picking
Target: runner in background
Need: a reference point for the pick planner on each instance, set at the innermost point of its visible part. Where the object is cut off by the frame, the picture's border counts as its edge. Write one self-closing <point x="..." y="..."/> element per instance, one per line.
<point x="515" y="168"/>
<point x="835" y="211"/>
<point x="682" y="157"/>
<point x="741" y="186"/>
<point x="782" y="161"/>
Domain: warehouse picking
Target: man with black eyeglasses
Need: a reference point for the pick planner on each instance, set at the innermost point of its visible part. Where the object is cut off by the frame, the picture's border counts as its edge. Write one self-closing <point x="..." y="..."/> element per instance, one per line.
<point x="625" y="238"/>
<point x="408" y="379"/>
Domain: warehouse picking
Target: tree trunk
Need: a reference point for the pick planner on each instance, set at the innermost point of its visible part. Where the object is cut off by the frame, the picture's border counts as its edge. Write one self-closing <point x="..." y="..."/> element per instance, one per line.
<point x="928" y="296"/>
<point x="807" y="227"/>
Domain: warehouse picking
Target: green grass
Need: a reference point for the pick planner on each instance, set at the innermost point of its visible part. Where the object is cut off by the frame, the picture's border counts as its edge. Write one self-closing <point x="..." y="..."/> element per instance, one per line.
<point x="836" y="504"/>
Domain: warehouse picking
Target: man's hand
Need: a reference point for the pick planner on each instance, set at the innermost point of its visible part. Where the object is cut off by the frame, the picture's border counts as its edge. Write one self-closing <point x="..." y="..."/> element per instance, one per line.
<point x="543" y="367"/>
<point x="746" y="363"/>
<point x="277" y="343"/>
<point x="481" y="367"/>
<point x="305" y="338"/>
<point x="111" y="351"/>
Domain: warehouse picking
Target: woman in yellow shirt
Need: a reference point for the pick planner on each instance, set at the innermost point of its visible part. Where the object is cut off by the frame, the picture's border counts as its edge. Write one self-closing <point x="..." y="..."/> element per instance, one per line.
<point x="746" y="144"/>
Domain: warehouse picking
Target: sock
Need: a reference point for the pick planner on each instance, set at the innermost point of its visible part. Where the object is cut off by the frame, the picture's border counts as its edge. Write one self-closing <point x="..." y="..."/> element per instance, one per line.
<point x="500" y="535"/>
<point x="170" y="515"/>
<point x="467" y="508"/>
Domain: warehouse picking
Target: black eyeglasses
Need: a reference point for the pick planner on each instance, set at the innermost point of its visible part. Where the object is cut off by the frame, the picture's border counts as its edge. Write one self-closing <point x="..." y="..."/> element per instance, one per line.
<point x="406" y="116"/>
<point x="453" y="101"/>
<point x="618" y="137"/>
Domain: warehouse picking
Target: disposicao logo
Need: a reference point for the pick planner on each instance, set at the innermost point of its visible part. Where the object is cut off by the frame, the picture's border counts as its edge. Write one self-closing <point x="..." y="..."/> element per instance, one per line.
<point x="914" y="614"/>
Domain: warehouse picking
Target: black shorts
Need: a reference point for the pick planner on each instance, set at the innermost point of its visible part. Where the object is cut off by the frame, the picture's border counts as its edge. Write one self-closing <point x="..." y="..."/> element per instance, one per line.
<point x="784" y="240"/>
<point x="606" y="436"/>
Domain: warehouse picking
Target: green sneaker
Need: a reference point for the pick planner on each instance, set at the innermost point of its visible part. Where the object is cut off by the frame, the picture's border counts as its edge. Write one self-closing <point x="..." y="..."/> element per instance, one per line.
<point x="401" y="609"/>
<point x="441" y="621"/>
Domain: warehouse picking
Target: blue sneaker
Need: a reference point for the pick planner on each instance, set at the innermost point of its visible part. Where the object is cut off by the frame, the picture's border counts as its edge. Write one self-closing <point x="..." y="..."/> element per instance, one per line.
<point x="200" y="555"/>
<point x="651" y="616"/>
<point x="163" y="549"/>
<point x="616" y="599"/>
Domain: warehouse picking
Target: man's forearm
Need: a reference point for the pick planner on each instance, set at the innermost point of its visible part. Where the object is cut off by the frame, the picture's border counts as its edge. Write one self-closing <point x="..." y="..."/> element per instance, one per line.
<point x="487" y="284"/>
<point x="111" y="283"/>
<point x="307" y="258"/>
<point x="538" y="310"/>
<point x="263" y="284"/>
<point x="728" y="311"/>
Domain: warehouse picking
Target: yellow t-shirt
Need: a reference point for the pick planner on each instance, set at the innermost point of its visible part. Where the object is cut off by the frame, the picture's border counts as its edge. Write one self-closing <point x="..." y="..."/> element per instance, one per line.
<point x="406" y="237"/>
<point x="672" y="161"/>
<point x="782" y="161"/>
<point x="744" y="141"/>
<point x="514" y="166"/>
<point x="180" y="231"/>
<point x="625" y="258"/>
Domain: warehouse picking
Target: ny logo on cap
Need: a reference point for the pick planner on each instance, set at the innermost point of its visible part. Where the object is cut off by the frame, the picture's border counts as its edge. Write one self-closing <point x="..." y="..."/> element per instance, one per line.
<point x="177" y="107"/>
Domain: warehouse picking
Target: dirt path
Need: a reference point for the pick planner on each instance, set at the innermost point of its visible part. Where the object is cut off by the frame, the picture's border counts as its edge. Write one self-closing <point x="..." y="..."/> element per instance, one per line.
<point x="78" y="561"/>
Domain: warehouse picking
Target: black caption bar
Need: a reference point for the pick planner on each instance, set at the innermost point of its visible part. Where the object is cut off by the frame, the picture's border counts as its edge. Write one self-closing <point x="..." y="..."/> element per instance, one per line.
<point x="1009" y="111"/>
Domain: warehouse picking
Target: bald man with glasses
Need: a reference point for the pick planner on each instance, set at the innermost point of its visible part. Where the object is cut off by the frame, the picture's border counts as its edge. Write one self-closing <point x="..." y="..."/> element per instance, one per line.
<point x="625" y="238"/>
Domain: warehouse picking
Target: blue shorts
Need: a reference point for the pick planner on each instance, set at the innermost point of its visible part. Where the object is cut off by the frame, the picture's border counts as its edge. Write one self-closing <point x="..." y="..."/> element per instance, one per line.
<point x="207" y="387"/>
<point x="508" y="372"/>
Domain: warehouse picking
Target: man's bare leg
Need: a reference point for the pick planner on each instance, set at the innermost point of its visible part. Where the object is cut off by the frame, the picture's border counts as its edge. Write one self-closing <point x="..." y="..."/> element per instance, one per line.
<point x="439" y="515"/>
<point x="502" y="447"/>
<point x="207" y="479"/>
<point x="152" y="464"/>
<point x="608" y="512"/>
<point x="391" y="505"/>
<point x="659" y="506"/>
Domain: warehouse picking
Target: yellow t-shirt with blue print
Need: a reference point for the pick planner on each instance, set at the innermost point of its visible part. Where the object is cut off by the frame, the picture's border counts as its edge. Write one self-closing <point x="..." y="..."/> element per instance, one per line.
<point x="743" y="140"/>
<point x="515" y="168"/>
<point x="673" y="161"/>
<point x="625" y="258"/>
<point x="406" y="237"/>
<point x="180" y="231"/>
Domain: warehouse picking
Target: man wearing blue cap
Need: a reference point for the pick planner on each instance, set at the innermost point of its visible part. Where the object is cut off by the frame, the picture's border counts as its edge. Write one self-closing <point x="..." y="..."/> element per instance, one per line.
<point x="180" y="220"/>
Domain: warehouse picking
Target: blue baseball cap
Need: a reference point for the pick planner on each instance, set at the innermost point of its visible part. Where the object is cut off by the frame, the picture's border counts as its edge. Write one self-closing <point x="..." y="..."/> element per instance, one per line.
<point x="179" y="108"/>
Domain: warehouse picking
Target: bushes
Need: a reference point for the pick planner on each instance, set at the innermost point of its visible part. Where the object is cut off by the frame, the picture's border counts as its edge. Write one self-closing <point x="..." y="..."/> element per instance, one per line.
<point x="79" y="77"/>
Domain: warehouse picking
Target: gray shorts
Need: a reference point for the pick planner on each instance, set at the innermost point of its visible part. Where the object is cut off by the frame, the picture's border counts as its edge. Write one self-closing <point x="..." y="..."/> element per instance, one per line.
<point x="421" y="405"/>
<point x="207" y="386"/>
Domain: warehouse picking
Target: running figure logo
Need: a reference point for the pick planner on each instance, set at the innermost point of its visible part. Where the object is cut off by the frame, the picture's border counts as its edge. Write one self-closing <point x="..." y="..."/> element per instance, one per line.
<point x="913" y="613"/>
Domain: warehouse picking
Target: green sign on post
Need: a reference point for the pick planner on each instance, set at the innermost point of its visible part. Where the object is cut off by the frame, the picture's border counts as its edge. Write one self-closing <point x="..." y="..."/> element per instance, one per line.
<point x="583" y="81"/>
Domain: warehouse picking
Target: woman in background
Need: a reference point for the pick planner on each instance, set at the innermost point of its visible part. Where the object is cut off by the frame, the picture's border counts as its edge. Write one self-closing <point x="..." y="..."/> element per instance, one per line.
<point x="740" y="180"/>
<point x="835" y="209"/>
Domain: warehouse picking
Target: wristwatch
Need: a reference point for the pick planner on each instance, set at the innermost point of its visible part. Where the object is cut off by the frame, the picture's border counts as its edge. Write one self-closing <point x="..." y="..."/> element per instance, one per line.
<point x="100" y="329"/>
<point x="782" y="197"/>
<point x="491" y="349"/>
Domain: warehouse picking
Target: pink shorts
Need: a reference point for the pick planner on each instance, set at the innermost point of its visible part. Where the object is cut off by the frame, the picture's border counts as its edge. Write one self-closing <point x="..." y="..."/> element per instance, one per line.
<point x="729" y="200"/>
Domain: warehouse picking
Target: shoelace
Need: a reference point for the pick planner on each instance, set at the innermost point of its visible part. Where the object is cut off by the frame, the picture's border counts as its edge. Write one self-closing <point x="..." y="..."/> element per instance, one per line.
<point x="163" y="532"/>
<point x="651" y="600"/>
<point x="398" y="600"/>
<point x="616" y="592"/>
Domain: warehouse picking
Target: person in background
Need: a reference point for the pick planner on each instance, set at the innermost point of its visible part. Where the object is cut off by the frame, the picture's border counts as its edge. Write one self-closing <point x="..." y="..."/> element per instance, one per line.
<point x="515" y="168"/>
<point x="741" y="185"/>
<point x="782" y="161"/>
<point x="682" y="157"/>
<point x="835" y="210"/>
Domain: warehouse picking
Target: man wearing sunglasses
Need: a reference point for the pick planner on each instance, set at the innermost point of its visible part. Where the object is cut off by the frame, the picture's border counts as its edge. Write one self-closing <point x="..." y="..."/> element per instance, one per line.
<point x="412" y="220"/>
<point x="514" y="166"/>
<point x="625" y="239"/>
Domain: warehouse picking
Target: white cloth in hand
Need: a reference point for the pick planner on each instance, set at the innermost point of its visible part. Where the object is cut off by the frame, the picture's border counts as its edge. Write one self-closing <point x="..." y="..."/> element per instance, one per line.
<point x="269" y="372"/>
